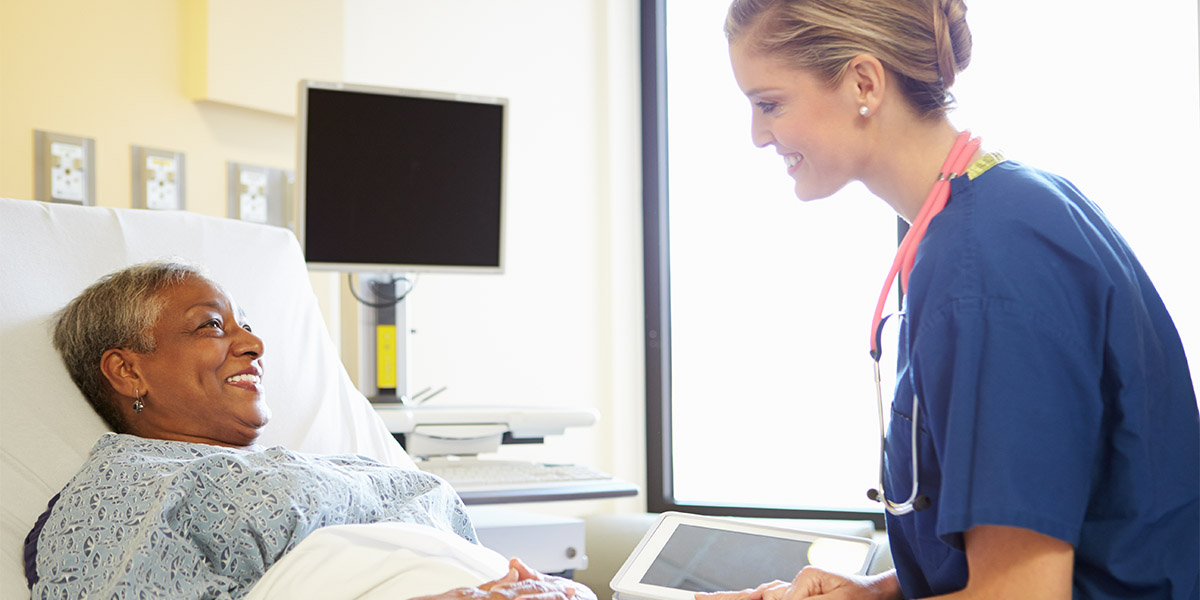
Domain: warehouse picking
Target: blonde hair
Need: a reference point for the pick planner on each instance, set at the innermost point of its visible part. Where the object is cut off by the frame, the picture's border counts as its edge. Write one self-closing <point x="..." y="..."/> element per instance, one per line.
<point x="118" y="311"/>
<point x="925" y="43"/>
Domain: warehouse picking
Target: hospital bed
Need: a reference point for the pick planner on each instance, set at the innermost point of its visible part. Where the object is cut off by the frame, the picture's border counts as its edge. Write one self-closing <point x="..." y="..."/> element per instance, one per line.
<point x="50" y="252"/>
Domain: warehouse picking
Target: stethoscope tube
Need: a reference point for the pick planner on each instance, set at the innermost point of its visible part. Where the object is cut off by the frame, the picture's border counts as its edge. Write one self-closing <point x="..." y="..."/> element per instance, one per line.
<point x="956" y="162"/>
<point x="915" y="501"/>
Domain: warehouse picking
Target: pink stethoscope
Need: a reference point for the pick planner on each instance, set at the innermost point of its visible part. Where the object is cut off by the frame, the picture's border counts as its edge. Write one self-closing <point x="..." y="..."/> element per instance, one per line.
<point x="956" y="162"/>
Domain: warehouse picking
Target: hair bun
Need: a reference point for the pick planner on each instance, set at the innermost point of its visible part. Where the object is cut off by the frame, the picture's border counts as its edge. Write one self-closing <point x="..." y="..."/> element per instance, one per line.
<point x="952" y="37"/>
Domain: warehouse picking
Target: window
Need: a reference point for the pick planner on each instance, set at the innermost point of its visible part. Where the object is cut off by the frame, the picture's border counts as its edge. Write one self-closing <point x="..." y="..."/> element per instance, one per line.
<point x="760" y="399"/>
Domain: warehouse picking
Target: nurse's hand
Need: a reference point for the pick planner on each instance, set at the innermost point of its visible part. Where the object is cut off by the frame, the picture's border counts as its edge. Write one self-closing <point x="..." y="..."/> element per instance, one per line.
<point x="757" y="593"/>
<point x="816" y="583"/>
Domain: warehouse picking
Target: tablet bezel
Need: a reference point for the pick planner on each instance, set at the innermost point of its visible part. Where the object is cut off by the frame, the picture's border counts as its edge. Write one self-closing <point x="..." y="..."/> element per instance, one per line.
<point x="627" y="583"/>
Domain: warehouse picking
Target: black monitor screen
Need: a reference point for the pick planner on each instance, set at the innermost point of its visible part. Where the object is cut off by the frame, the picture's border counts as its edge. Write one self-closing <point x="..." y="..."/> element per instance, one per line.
<point x="399" y="180"/>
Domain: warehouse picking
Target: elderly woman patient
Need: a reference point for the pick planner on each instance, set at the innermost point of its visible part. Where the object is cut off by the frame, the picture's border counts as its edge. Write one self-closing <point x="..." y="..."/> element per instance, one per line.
<point x="180" y="501"/>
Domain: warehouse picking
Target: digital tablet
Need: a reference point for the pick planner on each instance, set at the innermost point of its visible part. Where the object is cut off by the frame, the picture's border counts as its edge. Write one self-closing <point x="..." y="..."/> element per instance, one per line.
<point x="683" y="554"/>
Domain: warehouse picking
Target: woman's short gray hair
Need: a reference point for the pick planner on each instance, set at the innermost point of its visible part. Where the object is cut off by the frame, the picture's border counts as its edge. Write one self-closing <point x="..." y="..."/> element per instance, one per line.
<point x="118" y="311"/>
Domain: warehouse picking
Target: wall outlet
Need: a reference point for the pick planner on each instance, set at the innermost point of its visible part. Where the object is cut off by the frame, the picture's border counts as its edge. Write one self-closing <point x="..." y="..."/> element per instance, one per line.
<point x="64" y="168"/>
<point x="252" y="195"/>
<point x="158" y="179"/>
<point x="258" y="194"/>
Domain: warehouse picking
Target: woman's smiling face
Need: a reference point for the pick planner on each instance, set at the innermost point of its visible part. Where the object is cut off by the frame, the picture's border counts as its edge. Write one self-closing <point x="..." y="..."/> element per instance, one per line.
<point x="808" y="122"/>
<point x="203" y="381"/>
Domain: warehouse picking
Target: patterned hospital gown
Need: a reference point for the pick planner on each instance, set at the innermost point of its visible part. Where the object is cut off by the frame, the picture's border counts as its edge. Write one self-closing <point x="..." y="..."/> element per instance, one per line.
<point x="159" y="519"/>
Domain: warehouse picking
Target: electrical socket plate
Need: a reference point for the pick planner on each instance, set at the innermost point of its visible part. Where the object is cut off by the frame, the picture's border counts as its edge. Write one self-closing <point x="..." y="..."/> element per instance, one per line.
<point x="158" y="179"/>
<point x="64" y="168"/>
<point x="258" y="194"/>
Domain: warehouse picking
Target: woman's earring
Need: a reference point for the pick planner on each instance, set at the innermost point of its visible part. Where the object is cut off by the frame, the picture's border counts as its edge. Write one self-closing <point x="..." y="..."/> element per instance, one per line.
<point x="138" y="405"/>
<point x="863" y="110"/>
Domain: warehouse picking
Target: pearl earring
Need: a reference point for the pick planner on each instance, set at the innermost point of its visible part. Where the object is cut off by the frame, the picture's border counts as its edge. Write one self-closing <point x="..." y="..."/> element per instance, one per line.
<point x="863" y="110"/>
<point x="137" y="403"/>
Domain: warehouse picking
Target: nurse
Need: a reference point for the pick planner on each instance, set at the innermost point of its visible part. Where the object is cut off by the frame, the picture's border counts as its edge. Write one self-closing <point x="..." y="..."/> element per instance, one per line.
<point x="1058" y="441"/>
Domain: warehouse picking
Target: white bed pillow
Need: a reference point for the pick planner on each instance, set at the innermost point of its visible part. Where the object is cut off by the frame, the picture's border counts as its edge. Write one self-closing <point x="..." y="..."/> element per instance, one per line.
<point x="51" y="252"/>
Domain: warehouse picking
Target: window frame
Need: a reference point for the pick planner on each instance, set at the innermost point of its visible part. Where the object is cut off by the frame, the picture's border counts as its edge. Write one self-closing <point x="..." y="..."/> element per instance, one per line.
<point x="656" y="265"/>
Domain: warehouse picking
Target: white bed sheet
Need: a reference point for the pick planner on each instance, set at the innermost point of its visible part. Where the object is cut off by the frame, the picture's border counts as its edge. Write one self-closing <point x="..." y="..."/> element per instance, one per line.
<point x="376" y="562"/>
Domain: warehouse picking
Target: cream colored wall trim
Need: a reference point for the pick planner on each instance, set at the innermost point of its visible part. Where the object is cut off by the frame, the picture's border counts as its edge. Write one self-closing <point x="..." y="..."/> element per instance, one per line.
<point x="252" y="54"/>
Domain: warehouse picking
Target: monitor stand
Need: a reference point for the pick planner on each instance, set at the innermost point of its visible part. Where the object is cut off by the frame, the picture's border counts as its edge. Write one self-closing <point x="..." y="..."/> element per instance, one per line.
<point x="384" y="363"/>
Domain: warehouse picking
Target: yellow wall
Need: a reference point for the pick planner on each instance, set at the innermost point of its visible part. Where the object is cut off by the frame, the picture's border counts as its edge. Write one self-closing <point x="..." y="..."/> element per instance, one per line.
<point x="113" y="71"/>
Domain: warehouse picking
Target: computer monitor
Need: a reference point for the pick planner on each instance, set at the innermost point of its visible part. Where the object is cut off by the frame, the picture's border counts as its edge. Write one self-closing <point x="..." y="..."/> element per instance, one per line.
<point x="396" y="180"/>
<point x="393" y="181"/>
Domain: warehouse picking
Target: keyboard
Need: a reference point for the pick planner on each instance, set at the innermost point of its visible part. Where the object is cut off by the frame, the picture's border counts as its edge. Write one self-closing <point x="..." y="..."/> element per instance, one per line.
<point x="473" y="474"/>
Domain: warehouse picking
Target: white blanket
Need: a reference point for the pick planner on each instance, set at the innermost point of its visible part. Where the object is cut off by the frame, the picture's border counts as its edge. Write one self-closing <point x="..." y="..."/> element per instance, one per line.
<point x="376" y="561"/>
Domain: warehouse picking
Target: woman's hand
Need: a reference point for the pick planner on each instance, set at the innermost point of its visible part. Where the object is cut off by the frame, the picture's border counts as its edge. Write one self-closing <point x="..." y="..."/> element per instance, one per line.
<point x="557" y="588"/>
<point x="816" y="583"/>
<point x="521" y="582"/>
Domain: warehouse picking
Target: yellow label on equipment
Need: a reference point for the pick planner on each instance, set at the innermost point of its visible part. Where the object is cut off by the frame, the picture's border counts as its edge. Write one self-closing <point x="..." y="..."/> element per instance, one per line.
<point x="385" y="356"/>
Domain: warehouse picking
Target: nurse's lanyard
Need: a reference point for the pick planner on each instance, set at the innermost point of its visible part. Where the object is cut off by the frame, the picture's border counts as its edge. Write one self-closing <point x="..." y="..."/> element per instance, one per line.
<point x="958" y="159"/>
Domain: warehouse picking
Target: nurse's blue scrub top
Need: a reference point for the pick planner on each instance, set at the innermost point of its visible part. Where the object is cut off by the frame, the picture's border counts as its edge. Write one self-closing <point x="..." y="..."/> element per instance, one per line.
<point x="1054" y="395"/>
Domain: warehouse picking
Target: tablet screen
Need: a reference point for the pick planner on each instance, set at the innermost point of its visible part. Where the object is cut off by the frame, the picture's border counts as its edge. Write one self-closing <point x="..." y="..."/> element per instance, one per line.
<point x="698" y="559"/>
